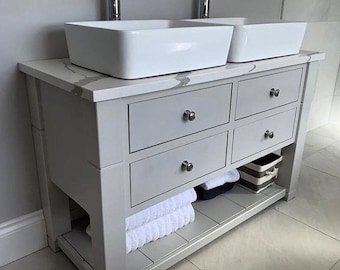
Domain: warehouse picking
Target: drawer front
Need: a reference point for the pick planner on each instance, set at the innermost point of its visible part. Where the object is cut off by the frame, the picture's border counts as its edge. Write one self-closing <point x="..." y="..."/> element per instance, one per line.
<point x="252" y="138"/>
<point x="160" y="173"/>
<point x="159" y="120"/>
<point x="267" y="92"/>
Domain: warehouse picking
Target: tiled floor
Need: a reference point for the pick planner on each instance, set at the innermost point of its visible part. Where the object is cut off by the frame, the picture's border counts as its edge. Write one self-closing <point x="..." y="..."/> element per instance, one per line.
<point x="303" y="233"/>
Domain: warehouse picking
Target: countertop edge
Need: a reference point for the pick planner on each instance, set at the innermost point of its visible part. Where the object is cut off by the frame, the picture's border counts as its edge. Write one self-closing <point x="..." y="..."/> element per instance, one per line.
<point x="97" y="87"/>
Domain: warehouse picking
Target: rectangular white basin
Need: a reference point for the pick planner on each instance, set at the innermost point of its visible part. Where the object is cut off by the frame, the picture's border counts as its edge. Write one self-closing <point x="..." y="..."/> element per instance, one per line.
<point x="259" y="39"/>
<point x="144" y="48"/>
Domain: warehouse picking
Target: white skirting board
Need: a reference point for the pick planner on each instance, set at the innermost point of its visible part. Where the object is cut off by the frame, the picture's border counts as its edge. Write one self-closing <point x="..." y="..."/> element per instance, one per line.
<point x="22" y="236"/>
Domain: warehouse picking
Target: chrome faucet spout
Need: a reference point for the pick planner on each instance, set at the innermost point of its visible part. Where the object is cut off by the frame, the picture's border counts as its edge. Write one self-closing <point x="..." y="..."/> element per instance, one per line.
<point x="204" y="8"/>
<point x="114" y="10"/>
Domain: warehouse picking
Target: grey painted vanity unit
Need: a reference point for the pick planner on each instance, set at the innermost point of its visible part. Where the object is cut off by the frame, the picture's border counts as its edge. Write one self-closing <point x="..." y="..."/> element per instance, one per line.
<point x="117" y="146"/>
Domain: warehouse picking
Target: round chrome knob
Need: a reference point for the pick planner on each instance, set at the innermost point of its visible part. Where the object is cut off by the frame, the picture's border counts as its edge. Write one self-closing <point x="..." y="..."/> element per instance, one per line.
<point x="269" y="134"/>
<point x="189" y="115"/>
<point x="274" y="92"/>
<point x="187" y="166"/>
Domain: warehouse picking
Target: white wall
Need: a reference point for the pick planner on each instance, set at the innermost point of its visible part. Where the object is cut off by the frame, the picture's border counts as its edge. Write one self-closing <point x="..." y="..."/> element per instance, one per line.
<point x="31" y="29"/>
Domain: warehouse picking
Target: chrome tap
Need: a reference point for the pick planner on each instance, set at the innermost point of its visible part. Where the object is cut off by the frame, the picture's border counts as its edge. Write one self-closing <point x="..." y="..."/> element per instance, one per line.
<point x="204" y="8"/>
<point x="115" y="10"/>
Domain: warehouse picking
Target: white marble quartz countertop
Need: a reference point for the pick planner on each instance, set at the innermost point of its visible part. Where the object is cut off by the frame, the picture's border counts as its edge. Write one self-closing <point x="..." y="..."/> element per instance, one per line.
<point x="97" y="87"/>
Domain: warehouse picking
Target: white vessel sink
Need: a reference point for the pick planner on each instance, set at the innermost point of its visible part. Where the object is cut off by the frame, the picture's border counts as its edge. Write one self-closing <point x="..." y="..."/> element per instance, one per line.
<point x="255" y="39"/>
<point x="144" y="48"/>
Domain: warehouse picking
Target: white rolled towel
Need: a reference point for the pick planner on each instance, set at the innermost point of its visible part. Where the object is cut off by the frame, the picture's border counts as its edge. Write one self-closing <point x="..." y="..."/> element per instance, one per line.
<point x="156" y="228"/>
<point x="160" y="209"/>
<point x="229" y="177"/>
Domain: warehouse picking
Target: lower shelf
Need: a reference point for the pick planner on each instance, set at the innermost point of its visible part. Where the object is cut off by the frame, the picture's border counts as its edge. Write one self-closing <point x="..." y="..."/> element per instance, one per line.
<point x="213" y="218"/>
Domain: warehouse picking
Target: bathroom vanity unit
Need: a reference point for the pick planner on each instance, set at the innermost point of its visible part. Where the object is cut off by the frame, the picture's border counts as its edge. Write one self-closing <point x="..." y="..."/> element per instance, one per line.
<point x="119" y="146"/>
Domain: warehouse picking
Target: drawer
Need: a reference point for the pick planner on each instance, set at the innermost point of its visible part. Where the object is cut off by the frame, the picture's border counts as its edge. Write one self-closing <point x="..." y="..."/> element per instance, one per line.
<point x="160" y="173"/>
<point x="252" y="138"/>
<point x="264" y="93"/>
<point x="159" y="120"/>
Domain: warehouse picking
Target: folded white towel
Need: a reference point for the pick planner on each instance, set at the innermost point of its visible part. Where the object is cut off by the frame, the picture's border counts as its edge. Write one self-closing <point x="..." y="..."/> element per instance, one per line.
<point x="157" y="228"/>
<point x="161" y="209"/>
<point x="230" y="177"/>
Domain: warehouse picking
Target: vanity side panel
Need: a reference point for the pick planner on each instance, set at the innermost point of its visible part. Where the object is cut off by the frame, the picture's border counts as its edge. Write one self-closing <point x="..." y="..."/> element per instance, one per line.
<point x="67" y="145"/>
<point x="76" y="133"/>
<point x="98" y="141"/>
<point x="71" y="121"/>
<point x="290" y="169"/>
<point x="72" y="142"/>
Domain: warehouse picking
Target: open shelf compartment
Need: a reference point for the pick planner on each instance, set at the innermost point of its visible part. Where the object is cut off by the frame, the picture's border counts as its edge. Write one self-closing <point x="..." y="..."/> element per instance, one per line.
<point x="213" y="218"/>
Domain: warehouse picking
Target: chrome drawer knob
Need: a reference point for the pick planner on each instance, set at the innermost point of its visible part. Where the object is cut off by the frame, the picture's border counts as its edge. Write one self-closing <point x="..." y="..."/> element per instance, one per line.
<point x="274" y="92"/>
<point x="189" y="115"/>
<point x="187" y="166"/>
<point x="269" y="134"/>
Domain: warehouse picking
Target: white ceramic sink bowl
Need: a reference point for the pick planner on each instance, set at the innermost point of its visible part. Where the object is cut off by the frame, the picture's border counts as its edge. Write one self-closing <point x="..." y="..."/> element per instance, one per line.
<point x="144" y="48"/>
<point x="259" y="39"/>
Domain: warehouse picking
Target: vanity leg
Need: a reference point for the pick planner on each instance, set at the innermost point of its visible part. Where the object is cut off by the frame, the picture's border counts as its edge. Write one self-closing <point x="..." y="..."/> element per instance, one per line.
<point x="292" y="154"/>
<point x="108" y="220"/>
<point x="55" y="203"/>
<point x="290" y="169"/>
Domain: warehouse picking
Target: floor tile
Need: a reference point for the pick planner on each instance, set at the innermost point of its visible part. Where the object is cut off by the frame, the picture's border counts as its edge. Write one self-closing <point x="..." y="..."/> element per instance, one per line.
<point x="318" y="141"/>
<point x="44" y="259"/>
<point x="184" y="265"/>
<point x="330" y="130"/>
<point x="326" y="160"/>
<point x="336" y="266"/>
<point x="315" y="142"/>
<point x="270" y="240"/>
<point x="333" y="152"/>
<point x="309" y="150"/>
<point x="316" y="203"/>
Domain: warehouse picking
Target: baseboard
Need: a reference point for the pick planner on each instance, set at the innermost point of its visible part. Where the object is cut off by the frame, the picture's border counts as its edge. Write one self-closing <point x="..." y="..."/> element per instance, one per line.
<point x="22" y="236"/>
